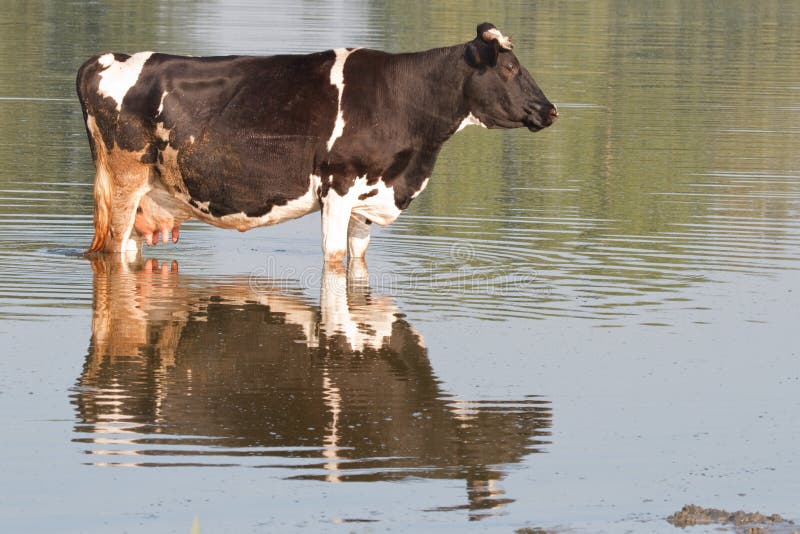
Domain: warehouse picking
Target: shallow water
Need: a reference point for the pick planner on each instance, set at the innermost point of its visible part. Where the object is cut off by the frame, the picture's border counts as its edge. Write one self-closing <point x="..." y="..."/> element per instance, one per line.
<point x="582" y="329"/>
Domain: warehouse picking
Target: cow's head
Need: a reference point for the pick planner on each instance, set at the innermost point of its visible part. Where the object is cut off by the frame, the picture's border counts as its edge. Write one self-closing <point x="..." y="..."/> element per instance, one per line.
<point x="500" y="92"/>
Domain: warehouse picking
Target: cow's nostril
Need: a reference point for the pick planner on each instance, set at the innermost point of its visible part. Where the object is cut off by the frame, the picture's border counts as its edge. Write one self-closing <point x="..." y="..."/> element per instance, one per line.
<point x="554" y="112"/>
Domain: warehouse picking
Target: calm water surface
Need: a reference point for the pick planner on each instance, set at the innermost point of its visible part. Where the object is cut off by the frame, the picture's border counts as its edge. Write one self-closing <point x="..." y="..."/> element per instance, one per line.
<point x="578" y="330"/>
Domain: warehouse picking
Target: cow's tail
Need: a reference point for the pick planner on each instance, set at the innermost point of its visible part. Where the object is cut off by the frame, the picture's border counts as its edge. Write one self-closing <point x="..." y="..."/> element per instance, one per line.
<point x="103" y="184"/>
<point x="103" y="192"/>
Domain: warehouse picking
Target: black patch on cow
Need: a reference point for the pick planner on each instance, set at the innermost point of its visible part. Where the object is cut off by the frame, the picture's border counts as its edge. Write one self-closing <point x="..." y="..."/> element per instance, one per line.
<point x="258" y="129"/>
<point x="399" y="165"/>
<point x="389" y="135"/>
<point x="130" y="129"/>
<point x="403" y="201"/>
<point x="104" y="110"/>
<point x="370" y="193"/>
<point x="196" y="205"/>
<point x="151" y="154"/>
<point x="481" y="54"/>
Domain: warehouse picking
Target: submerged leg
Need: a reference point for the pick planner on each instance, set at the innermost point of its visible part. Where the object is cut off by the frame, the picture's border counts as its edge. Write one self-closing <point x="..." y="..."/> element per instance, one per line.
<point x="357" y="236"/>
<point x="335" y="220"/>
<point x="123" y="216"/>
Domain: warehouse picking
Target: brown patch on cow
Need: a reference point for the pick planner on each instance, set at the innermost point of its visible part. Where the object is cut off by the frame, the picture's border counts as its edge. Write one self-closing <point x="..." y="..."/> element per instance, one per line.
<point x="161" y="132"/>
<point x="170" y="171"/>
<point x="368" y="194"/>
<point x="120" y="181"/>
<point x="130" y="181"/>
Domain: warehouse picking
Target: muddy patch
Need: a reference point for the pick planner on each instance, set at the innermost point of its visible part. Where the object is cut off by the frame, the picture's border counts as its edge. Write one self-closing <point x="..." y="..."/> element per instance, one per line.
<point x="750" y="522"/>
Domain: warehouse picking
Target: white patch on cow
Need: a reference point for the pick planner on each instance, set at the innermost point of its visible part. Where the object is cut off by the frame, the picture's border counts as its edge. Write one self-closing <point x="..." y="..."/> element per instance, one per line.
<point x="131" y="245"/>
<point x="421" y="188"/>
<point x="293" y="209"/>
<point x="106" y="60"/>
<point x="161" y="132"/>
<point x="203" y="206"/>
<point x="161" y="104"/>
<point x="340" y="231"/>
<point x="118" y="77"/>
<point x="128" y="244"/>
<point x="470" y="120"/>
<point x="379" y="207"/>
<point x="335" y="220"/>
<point x="337" y="80"/>
<point x="505" y="42"/>
<point x="191" y="139"/>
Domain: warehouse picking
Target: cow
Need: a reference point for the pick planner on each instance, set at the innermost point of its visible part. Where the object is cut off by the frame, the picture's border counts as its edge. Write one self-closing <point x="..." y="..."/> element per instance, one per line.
<point x="247" y="141"/>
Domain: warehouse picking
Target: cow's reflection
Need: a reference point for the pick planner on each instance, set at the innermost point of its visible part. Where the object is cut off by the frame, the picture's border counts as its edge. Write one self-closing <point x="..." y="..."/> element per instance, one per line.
<point x="189" y="371"/>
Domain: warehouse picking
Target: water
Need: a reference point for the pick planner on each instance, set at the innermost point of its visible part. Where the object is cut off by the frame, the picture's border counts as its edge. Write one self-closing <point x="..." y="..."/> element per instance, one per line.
<point x="582" y="329"/>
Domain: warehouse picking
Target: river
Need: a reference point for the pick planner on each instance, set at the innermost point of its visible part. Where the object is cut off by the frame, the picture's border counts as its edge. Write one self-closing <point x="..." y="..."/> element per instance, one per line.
<point x="578" y="330"/>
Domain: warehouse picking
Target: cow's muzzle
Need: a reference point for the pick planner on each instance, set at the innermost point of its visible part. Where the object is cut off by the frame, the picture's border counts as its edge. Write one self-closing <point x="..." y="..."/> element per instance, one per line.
<point x="539" y="116"/>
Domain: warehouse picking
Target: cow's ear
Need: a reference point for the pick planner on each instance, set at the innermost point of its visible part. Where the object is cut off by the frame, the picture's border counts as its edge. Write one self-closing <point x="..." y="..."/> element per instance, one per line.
<point x="481" y="54"/>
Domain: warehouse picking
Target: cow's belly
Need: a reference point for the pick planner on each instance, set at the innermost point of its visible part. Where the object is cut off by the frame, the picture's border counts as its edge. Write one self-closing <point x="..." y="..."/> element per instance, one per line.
<point x="278" y="213"/>
<point x="159" y="209"/>
<point x="247" y="178"/>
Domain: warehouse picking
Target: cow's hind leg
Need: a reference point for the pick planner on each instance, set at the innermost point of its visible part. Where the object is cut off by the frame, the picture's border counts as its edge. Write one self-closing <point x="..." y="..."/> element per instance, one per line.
<point x="124" y="203"/>
<point x="130" y="181"/>
<point x="120" y="182"/>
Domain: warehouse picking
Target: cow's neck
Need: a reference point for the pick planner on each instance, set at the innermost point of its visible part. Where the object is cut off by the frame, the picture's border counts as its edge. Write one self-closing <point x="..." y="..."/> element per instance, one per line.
<point x="430" y="89"/>
<point x="436" y="78"/>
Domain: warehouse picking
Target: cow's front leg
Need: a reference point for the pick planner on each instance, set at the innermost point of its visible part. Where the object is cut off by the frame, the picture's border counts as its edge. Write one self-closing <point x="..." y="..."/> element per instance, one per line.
<point x="335" y="221"/>
<point x="357" y="236"/>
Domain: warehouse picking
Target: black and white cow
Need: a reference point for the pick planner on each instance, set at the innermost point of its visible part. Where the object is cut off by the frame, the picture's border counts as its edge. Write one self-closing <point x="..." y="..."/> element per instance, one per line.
<point x="242" y="141"/>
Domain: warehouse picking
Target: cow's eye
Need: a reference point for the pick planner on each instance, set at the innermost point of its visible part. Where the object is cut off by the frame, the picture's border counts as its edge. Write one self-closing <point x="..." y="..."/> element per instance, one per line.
<point x="511" y="67"/>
